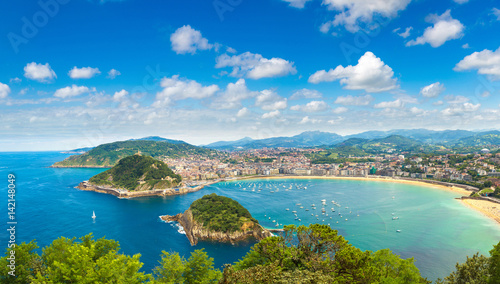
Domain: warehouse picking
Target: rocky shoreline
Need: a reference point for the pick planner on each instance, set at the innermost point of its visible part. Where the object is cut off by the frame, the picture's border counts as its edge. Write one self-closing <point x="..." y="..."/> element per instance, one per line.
<point x="195" y="231"/>
<point x="123" y="193"/>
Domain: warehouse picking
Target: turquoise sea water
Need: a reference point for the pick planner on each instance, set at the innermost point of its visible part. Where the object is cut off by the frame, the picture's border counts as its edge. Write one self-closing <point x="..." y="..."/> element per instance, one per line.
<point x="435" y="228"/>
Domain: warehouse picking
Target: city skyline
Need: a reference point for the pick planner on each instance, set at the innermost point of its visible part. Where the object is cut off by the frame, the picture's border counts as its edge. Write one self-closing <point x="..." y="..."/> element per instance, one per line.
<point x="82" y="73"/>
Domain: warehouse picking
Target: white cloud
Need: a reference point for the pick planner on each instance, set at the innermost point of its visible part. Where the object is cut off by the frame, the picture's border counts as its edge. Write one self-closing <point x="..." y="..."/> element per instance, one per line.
<point x="71" y="91"/>
<point x="188" y="40"/>
<point x="23" y="91"/>
<point x="485" y="94"/>
<point x="232" y="97"/>
<point x="354" y="101"/>
<point x="371" y="74"/>
<point x="269" y="100"/>
<point x="445" y="28"/>
<point x="496" y="12"/>
<point x="297" y="3"/>
<point x="119" y="96"/>
<point x="272" y="114"/>
<point x="306" y="94"/>
<point x="39" y="72"/>
<point x="15" y="80"/>
<point x="406" y="33"/>
<point x="243" y="112"/>
<point x="113" y="73"/>
<point x="466" y="46"/>
<point x="460" y="109"/>
<point x="433" y="90"/>
<point x="354" y="12"/>
<point x="394" y="104"/>
<point x="176" y="88"/>
<point x="314" y="106"/>
<point x="486" y="62"/>
<point x="306" y="120"/>
<point x="451" y="99"/>
<point x="254" y="66"/>
<point x="340" y="110"/>
<point x="83" y="73"/>
<point x="461" y="1"/>
<point x="230" y="50"/>
<point x="4" y="91"/>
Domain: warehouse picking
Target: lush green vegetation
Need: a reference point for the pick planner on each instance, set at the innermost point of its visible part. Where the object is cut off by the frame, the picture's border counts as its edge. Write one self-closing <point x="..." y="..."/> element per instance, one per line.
<point x="132" y="170"/>
<point x="220" y="213"/>
<point x="317" y="254"/>
<point x="314" y="254"/>
<point x="72" y="261"/>
<point x="108" y="155"/>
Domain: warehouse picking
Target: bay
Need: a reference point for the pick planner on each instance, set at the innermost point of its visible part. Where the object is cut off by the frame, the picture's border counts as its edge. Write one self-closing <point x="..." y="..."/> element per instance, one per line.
<point x="434" y="228"/>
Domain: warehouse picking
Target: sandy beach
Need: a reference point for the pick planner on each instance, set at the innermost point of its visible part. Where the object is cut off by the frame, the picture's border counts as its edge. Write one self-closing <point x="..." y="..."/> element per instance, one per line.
<point x="487" y="208"/>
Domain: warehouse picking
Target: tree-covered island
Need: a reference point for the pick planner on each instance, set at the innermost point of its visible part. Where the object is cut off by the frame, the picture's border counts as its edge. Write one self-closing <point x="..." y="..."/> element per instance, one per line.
<point x="218" y="218"/>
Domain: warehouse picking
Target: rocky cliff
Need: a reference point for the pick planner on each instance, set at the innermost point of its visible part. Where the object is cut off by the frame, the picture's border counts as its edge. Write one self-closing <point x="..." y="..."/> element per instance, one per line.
<point x="196" y="231"/>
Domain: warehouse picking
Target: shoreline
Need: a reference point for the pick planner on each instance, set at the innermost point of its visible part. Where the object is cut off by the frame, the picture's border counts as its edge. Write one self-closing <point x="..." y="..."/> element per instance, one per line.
<point x="489" y="209"/>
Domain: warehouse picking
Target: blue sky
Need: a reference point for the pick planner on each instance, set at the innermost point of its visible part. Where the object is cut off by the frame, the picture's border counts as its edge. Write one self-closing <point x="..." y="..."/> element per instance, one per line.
<point x="78" y="73"/>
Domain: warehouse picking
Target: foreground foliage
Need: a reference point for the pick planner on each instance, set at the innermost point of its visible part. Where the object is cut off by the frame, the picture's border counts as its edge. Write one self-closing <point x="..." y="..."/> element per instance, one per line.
<point x="317" y="254"/>
<point x="220" y="213"/>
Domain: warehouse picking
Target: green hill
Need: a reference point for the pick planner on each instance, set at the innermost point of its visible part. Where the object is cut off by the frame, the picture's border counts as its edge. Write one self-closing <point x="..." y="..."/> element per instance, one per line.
<point x="108" y="155"/>
<point x="221" y="214"/>
<point x="138" y="173"/>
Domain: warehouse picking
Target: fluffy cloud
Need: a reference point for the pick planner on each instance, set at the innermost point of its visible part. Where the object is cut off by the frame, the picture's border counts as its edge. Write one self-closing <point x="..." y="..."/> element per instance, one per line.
<point x="354" y="12"/>
<point x="243" y="112"/>
<point x="254" y="66"/>
<point x="314" y="106"/>
<point x="340" y="110"/>
<point x="71" y="91"/>
<point x="188" y="40"/>
<point x="354" y="101"/>
<point x="4" y="91"/>
<point x="83" y="73"/>
<point x="119" y="96"/>
<point x="39" y="72"/>
<point x="269" y="100"/>
<point x="306" y="94"/>
<point x="486" y="62"/>
<point x="459" y="109"/>
<point x="371" y="74"/>
<point x="496" y="12"/>
<point x="445" y="28"/>
<point x="461" y="1"/>
<point x="297" y="3"/>
<point x="113" y="73"/>
<point x="176" y="88"/>
<point x="406" y="33"/>
<point x="394" y="104"/>
<point x="433" y="90"/>
<point x="306" y="120"/>
<point x="272" y="114"/>
<point x="233" y="95"/>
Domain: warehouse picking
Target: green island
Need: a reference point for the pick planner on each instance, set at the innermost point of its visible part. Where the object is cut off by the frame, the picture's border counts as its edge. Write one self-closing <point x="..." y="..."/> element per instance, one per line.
<point x="313" y="254"/>
<point x="108" y="155"/>
<point x="218" y="218"/>
<point x="138" y="172"/>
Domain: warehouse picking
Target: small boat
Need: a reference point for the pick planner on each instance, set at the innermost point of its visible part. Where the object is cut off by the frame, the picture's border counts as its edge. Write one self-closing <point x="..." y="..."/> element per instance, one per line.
<point x="294" y="211"/>
<point x="287" y="209"/>
<point x="93" y="215"/>
<point x="395" y="218"/>
<point x="399" y="231"/>
<point x="301" y="207"/>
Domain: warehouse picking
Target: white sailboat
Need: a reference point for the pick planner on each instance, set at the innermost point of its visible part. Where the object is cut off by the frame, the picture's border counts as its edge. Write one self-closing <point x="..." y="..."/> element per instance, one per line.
<point x="93" y="215"/>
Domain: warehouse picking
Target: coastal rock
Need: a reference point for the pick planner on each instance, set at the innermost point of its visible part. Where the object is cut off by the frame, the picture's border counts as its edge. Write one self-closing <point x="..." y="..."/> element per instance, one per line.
<point x="195" y="231"/>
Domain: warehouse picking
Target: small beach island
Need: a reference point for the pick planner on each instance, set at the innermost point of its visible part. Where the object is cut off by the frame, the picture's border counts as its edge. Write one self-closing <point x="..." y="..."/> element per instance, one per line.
<point x="218" y="218"/>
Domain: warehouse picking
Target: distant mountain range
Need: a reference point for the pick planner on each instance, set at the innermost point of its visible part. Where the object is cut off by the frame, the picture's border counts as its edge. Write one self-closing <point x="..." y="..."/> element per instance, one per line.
<point x="458" y="138"/>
